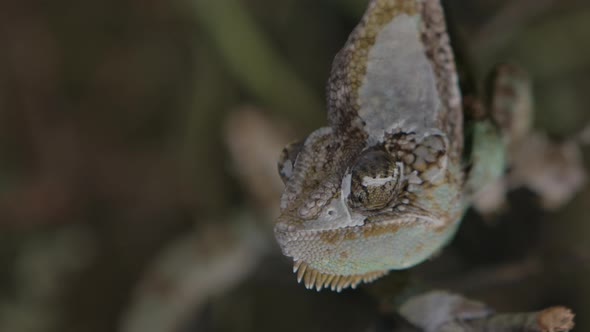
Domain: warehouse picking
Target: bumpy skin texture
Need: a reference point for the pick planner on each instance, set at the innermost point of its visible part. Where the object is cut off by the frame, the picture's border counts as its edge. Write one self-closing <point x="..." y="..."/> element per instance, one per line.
<point x="382" y="187"/>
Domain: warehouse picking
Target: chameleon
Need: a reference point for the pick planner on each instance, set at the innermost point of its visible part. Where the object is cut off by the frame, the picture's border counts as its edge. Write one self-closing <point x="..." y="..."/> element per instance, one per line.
<point x="385" y="184"/>
<point x="382" y="187"/>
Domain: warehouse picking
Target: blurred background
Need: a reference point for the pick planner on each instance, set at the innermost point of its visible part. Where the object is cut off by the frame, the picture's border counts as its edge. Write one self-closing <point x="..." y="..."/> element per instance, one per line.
<point x="138" y="142"/>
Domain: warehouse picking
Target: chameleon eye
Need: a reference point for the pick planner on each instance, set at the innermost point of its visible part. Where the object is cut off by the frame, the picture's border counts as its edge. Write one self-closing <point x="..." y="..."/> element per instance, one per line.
<point x="374" y="181"/>
<point x="287" y="160"/>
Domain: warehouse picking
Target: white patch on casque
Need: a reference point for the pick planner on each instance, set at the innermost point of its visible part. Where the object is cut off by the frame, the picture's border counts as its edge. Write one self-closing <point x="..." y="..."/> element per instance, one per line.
<point x="399" y="87"/>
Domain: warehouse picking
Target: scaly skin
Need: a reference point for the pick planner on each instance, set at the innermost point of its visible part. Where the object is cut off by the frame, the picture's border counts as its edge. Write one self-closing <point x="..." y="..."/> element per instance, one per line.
<point x="384" y="186"/>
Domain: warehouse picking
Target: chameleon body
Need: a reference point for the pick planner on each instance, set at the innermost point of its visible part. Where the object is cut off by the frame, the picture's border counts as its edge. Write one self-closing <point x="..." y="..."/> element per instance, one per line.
<point x="384" y="186"/>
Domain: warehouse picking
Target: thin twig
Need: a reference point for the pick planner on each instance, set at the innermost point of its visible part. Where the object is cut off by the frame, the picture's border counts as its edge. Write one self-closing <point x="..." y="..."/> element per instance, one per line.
<point x="440" y="311"/>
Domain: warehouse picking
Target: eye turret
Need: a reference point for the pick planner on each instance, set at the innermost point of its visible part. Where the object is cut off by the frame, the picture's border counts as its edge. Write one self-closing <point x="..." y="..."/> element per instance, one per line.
<point x="375" y="181"/>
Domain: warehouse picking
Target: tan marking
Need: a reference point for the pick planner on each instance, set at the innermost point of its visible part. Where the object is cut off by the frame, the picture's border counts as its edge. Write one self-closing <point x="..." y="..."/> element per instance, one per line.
<point x="373" y="231"/>
<point x="443" y="228"/>
<point x="419" y="247"/>
<point x="351" y="236"/>
<point x="336" y="236"/>
<point x="330" y="237"/>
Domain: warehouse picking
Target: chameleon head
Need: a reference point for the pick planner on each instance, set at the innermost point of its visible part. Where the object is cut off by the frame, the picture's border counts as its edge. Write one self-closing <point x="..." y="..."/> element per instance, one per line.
<point x="353" y="211"/>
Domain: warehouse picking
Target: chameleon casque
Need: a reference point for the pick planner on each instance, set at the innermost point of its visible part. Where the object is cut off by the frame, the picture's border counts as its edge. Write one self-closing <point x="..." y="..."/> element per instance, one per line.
<point x="385" y="185"/>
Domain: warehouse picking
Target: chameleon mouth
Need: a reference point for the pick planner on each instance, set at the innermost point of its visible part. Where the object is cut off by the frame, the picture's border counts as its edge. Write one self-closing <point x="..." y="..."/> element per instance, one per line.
<point x="405" y="242"/>
<point x="313" y="278"/>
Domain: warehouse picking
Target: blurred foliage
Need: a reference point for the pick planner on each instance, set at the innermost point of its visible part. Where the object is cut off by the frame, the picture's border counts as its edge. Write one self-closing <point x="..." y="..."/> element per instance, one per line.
<point x="111" y="117"/>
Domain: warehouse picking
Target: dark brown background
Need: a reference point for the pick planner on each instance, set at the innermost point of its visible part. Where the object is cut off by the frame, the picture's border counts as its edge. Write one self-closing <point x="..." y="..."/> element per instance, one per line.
<point x="111" y="117"/>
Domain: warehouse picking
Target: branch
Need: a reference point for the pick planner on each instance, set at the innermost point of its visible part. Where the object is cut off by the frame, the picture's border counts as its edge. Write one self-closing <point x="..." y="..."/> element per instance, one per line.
<point x="439" y="311"/>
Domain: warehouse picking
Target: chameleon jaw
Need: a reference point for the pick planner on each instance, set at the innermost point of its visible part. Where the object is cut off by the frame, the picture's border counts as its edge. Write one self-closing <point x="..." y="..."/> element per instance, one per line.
<point x="313" y="278"/>
<point x="337" y="258"/>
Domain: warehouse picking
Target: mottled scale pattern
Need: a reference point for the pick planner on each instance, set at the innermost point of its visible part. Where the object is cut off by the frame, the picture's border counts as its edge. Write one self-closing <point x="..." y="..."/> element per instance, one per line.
<point x="381" y="187"/>
<point x="286" y="164"/>
<point x="438" y="49"/>
<point x="319" y="152"/>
